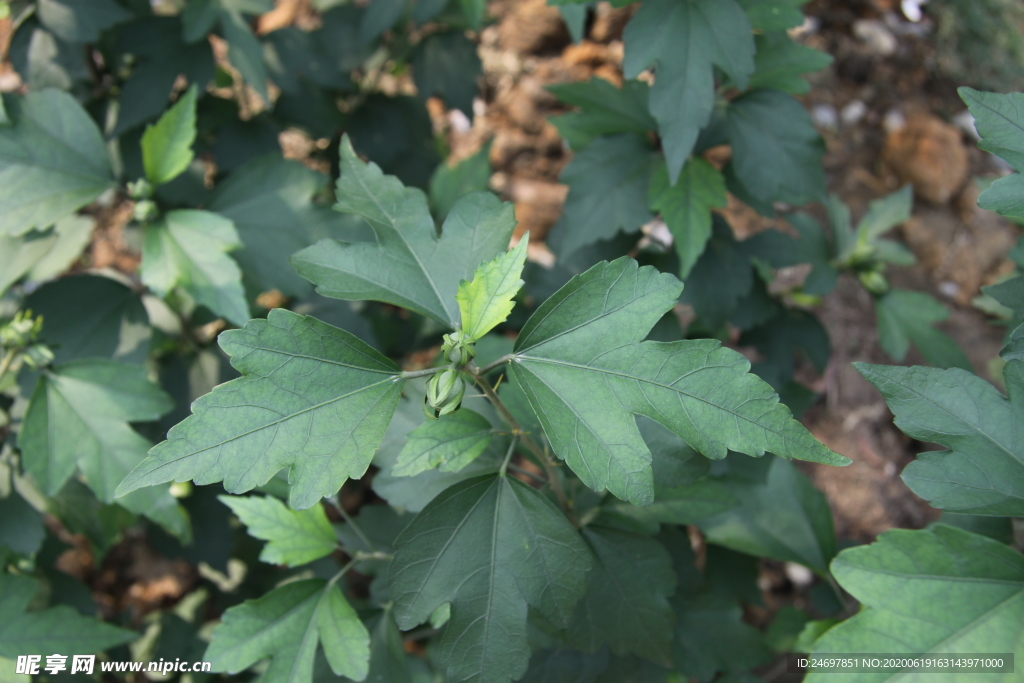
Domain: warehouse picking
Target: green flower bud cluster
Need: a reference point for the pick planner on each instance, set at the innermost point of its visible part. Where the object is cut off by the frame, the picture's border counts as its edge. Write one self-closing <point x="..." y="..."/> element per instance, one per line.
<point x="444" y="393"/>
<point x="20" y="335"/>
<point x="458" y="348"/>
<point x="874" y="281"/>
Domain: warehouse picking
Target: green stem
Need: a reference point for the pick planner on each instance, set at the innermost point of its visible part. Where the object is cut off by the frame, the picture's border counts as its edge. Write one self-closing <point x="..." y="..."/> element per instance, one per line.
<point x="355" y="527"/>
<point x="501" y="361"/>
<point x="423" y="373"/>
<point x="508" y="456"/>
<point x="5" y="364"/>
<point x="531" y="445"/>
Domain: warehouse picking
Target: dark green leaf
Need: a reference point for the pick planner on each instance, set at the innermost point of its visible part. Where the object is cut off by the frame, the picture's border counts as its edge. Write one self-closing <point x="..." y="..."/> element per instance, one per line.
<point x="313" y="398"/>
<point x="810" y="246"/>
<point x="57" y="629"/>
<point x="686" y="207"/>
<point x="711" y="637"/>
<point x="626" y="604"/>
<point x="776" y="152"/>
<point x="781" y="515"/>
<point x="582" y="363"/>
<point x="721" y="277"/>
<point x="245" y="52"/>
<point x="446" y="65"/>
<point x="906" y="317"/>
<point x="285" y="626"/>
<point x="45" y="61"/>
<point x="53" y="161"/>
<point x="396" y="133"/>
<point x="1009" y="293"/>
<point x="780" y="62"/>
<point x="684" y="40"/>
<point x="91" y="316"/>
<point x="491" y="547"/>
<point x="774" y="15"/>
<point x="450" y="183"/>
<point x="607" y="192"/>
<point x="604" y="110"/>
<point x="780" y="337"/>
<point x="379" y="17"/>
<point x="410" y="265"/>
<point x="80" y="21"/>
<point x="983" y="472"/>
<point x="21" y="525"/>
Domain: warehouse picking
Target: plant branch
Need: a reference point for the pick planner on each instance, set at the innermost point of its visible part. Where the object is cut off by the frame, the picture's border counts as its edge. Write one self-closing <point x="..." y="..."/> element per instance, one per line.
<point x="531" y="445"/>
<point x="423" y="373"/>
<point x="355" y="527"/>
<point x="490" y="366"/>
<point x="508" y="455"/>
<point x="5" y="364"/>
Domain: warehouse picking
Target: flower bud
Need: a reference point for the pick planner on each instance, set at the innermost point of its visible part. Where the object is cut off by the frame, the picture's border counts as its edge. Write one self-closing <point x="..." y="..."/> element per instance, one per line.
<point x="444" y="393"/>
<point x="874" y="282"/>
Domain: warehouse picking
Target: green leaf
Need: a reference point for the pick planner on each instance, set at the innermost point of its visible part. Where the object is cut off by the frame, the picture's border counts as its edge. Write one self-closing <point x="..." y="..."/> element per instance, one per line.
<point x="885" y="214"/>
<point x="57" y="629"/>
<point x="940" y="590"/>
<point x="686" y="207"/>
<point x="187" y="248"/>
<point x="999" y="120"/>
<point x="92" y="316"/>
<point x="80" y="21"/>
<point x="446" y="64"/>
<point x="294" y="537"/>
<point x="43" y="255"/>
<point x="1009" y="293"/>
<point x="285" y="625"/>
<point x="581" y="362"/>
<point x="410" y="266"/>
<point x="906" y="317"/>
<point x="607" y="182"/>
<point x="379" y="17"/>
<point x="451" y="183"/>
<point x="810" y="246"/>
<point x="776" y="152"/>
<point x="781" y="515"/>
<point x="604" y="110"/>
<point x="711" y="637"/>
<point x="491" y="547"/>
<point x="720" y="279"/>
<point x="388" y="661"/>
<point x="626" y="604"/>
<point x="780" y="62"/>
<point x="684" y="40"/>
<point x="1005" y="196"/>
<point x="781" y="336"/>
<point x="269" y="201"/>
<point x="53" y="161"/>
<point x="167" y="144"/>
<point x="21" y="530"/>
<point x="450" y="443"/>
<point x="78" y="419"/>
<point x="983" y="472"/>
<point x="487" y="300"/>
<point x="245" y="52"/>
<point x="774" y="15"/>
<point x="312" y="398"/>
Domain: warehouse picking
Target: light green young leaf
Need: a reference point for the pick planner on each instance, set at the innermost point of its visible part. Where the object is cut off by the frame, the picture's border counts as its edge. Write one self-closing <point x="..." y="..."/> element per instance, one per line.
<point x="285" y="626"/>
<point x="78" y="420"/>
<point x="776" y="151"/>
<point x="582" y="363"/>
<point x="983" y="472"/>
<point x="607" y="182"/>
<point x="57" y="629"/>
<point x="410" y="266"/>
<point x="937" y="591"/>
<point x="686" y="207"/>
<point x="449" y="444"/>
<point x="294" y="537"/>
<point x="999" y="120"/>
<point x="492" y="547"/>
<point x="487" y="299"/>
<point x="167" y="144"/>
<point x="53" y="161"/>
<point x="626" y="604"/>
<point x="684" y="40"/>
<point x="885" y="214"/>
<point x="780" y="514"/>
<point x="906" y="317"/>
<point x="188" y="249"/>
<point x="780" y="62"/>
<point x="312" y="398"/>
<point x="604" y="110"/>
